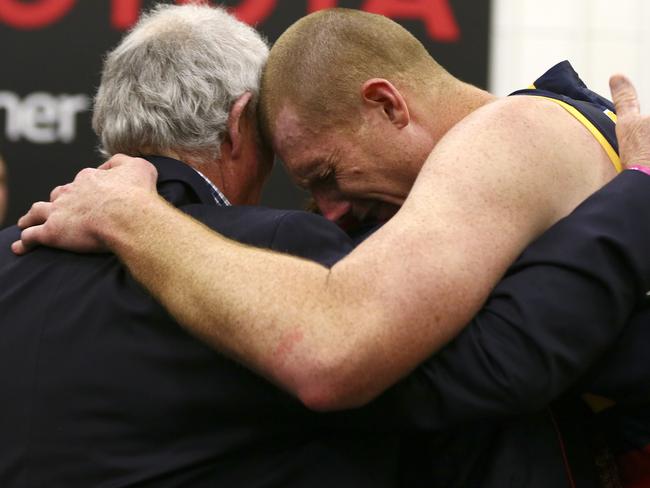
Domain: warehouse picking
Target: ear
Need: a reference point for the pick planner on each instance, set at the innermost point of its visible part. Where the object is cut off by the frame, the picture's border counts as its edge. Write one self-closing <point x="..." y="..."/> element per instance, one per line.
<point x="235" y="122"/>
<point x="380" y="93"/>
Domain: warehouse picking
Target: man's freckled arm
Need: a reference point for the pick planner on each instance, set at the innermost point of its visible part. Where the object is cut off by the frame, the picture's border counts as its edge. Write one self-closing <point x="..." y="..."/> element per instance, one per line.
<point x="338" y="338"/>
<point x="163" y="247"/>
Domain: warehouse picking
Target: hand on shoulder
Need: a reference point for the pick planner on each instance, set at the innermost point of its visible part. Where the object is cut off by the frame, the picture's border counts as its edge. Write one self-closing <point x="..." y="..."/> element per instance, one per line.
<point x="79" y="213"/>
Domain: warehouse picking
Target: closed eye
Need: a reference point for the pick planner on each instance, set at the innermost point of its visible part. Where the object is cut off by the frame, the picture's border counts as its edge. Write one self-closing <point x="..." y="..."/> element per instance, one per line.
<point x="318" y="173"/>
<point x="327" y="176"/>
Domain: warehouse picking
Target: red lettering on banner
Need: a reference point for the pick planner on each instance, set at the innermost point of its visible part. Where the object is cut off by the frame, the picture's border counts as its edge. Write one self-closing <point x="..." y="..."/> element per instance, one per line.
<point x="254" y="11"/>
<point x="250" y="11"/>
<point x="316" y="5"/>
<point x="33" y="15"/>
<point x="437" y="15"/>
<point x="124" y="13"/>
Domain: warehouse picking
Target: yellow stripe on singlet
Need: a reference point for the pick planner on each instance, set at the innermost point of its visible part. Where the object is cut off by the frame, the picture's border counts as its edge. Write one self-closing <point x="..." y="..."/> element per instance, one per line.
<point x="611" y="115"/>
<point x="611" y="153"/>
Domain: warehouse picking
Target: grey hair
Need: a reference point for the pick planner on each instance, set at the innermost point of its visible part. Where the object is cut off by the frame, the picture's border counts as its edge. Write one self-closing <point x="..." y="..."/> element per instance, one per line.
<point x="171" y="82"/>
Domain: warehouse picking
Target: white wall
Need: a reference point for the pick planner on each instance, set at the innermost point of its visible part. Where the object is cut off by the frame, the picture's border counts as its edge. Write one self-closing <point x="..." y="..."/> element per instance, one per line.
<point x="598" y="37"/>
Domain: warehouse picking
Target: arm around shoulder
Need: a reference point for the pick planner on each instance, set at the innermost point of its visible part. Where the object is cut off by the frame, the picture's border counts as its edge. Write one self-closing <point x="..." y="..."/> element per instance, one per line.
<point x="560" y="307"/>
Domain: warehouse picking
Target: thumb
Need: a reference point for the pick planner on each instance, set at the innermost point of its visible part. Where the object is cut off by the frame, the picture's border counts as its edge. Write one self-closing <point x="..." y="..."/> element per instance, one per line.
<point x="624" y="96"/>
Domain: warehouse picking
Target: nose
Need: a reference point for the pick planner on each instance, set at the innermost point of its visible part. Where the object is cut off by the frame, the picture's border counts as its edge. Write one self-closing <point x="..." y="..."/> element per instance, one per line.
<point x="331" y="207"/>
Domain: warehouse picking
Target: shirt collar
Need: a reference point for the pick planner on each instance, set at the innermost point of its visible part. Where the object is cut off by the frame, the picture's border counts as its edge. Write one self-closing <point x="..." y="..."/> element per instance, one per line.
<point x="219" y="198"/>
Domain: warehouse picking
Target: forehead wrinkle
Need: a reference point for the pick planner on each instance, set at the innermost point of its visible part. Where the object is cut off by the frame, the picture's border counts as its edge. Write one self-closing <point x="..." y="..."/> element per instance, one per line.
<point x="307" y="172"/>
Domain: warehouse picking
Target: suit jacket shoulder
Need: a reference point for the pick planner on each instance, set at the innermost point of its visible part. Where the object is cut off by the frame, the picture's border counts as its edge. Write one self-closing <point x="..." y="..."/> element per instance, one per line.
<point x="290" y="231"/>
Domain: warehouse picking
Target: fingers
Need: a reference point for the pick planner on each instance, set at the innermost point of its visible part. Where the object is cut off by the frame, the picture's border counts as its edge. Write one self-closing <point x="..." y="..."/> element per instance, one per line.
<point x="624" y="96"/>
<point x="120" y="160"/>
<point x="59" y="190"/>
<point x="84" y="174"/>
<point x="19" y="248"/>
<point x="29" y="239"/>
<point x="136" y="170"/>
<point x="114" y="162"/>
<point x="38" y="214"/>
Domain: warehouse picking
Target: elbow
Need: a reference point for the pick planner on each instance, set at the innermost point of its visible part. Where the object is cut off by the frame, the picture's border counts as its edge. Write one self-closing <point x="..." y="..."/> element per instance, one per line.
<point x="333" y="383"/>
<point x="321" y="397"/>
<point x="339" y="371"/>
<point x="332" y="395"/>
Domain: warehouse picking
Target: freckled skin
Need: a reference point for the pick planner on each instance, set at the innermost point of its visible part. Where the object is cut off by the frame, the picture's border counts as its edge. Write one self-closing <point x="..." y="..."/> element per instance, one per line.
<point x="287" y="344"/>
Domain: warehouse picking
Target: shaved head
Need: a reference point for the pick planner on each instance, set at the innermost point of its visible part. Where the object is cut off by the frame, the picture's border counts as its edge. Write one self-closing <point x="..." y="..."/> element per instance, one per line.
<point x="319" y="64"/>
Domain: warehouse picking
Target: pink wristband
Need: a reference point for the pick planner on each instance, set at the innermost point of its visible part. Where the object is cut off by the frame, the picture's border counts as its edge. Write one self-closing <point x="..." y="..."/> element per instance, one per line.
<point x="643" y="169"/>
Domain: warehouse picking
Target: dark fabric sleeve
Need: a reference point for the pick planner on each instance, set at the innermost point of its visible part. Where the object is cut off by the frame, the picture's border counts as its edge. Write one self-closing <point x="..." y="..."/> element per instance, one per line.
<point x="623" y="373"/>
<point x="312" y="237"/>
<point x="561" y="305"/>
<point x="302" y="234"/>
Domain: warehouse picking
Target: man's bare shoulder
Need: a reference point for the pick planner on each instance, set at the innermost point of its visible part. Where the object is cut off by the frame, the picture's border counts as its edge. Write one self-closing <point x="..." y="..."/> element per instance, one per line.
<point x="516" y="163"/>
<point x="554" y="131"/>
<point x="522" y="114"/>
<point x="512" y="130"/>
<point x="530" y="139"/>
<point x="546" y="121"/>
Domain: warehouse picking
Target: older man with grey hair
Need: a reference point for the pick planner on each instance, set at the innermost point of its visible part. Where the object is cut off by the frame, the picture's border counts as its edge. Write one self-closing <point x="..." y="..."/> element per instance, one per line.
<point x="184" y="84"/>
<point x="100" y="386"/>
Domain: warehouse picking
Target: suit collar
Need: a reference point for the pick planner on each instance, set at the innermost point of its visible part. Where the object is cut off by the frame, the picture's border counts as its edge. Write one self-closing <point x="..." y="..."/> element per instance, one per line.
<point x="172" y="171"/>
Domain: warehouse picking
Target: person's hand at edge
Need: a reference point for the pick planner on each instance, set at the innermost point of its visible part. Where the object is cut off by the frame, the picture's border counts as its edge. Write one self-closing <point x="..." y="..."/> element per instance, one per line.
<point x="632" y="128"/>
<point x="77" y="211"/>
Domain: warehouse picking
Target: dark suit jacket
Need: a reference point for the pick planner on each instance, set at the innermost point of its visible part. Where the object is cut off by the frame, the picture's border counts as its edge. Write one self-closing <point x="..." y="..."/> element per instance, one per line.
<point x="558" y="310"/>
<point x="101" y="388"/>
<point x="571" y="309"/>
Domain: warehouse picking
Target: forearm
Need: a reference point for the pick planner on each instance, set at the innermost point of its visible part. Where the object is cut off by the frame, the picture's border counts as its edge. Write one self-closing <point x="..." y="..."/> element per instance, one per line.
<point x="329" y="337"/>
<point x="216" y="288"/>
<point x="562" y="305"/>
